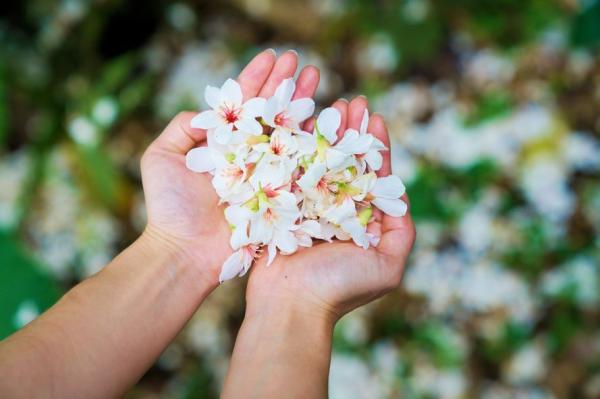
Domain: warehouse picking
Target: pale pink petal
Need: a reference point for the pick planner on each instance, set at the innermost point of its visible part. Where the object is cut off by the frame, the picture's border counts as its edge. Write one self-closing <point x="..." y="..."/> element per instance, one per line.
<point x="392" y="207"/>
<point x="311" y="227"/>
<point x="390" y="187"/>
<point x="206" y="120"/>
<point x="199" y="160"/>
<point x="231" y="93"/>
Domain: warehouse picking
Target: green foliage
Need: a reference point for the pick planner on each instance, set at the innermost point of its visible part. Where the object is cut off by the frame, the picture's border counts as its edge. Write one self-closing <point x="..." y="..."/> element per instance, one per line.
<point x="21" y="280"/>
<point x="586" y="27"/>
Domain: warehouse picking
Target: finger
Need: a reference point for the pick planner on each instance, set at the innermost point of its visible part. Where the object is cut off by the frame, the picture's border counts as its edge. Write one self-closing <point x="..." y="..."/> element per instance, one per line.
<point x="356" y="110"/>
<point x="255" y="74"/>
<point x="179" y="136"/>
<point x="342" y="106"/>
<point x="284" y="68"/>
<point x="378" y="129"/>
<point x="398" y="235"/>
<point x="307" y="82"/>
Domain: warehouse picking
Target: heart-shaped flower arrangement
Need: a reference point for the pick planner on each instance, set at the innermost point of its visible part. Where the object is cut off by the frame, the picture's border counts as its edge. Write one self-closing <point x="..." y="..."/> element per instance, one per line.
<point x="283" y="186"/>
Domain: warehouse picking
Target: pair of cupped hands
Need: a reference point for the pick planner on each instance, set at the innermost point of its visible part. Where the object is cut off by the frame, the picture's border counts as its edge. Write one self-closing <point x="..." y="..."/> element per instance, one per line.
<point x="184" y="216"/>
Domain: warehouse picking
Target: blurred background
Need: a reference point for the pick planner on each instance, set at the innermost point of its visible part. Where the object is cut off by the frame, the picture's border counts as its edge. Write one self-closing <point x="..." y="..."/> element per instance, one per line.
<point x="494" y="110"/>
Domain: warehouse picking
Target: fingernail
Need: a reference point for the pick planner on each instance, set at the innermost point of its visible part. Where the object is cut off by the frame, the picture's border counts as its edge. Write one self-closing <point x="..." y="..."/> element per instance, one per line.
<point x="293" y="51"/>
<point x="270" y="50"/>
<point x="344" y="100"/>
<point x="362" y="96"/>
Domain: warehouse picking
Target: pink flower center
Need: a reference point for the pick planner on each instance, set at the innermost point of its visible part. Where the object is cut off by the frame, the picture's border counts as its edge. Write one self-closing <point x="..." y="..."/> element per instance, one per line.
<point x="231" y="115"/>
<point x="281" y="119"/>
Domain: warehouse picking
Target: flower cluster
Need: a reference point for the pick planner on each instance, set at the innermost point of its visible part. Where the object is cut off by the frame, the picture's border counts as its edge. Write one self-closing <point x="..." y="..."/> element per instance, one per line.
<point x="283" y="186"/>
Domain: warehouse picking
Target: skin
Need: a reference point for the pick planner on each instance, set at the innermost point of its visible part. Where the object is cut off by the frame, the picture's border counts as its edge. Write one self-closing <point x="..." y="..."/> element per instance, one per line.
<point x="283" y="348"/>
<point x="101" y="337"/>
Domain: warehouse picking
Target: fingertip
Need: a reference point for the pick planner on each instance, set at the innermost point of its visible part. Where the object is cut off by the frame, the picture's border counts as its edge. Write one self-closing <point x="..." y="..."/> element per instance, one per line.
<point x="356" y="110"/>
<point x="307" y="82"/>
<point x="342" y="106"/>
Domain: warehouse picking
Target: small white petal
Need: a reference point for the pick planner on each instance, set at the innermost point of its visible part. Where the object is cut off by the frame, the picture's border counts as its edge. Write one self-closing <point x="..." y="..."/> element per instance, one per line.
<point x="200" y="160"/>
<point x="212" y="95"/>
<point x="392" y="207"/>
<point x="206" y="120"/>
<point x="285" y="91"/>
<point x="249" y="125"/>
<point x="270" y="111"/>
<point x="286" y="242"/>
<point x="272" y="252"/>
<point x="328" y="123"/>
<point x="239" y="236"/>
<point x="364" y="123"/>
<point x="335" y="158"/>
<point x="232" y="266"/>
<point x="374" y="159"/>
<point x="311" y="227"/>
<point x="390" y="187"/>
<point x="354" y="143"/>
<point x="254" y="107"/>
<point x="300" y="110"/>
<point x="307" y="143"/>
<point x="231" y="93"/>
<point x="357" y="231"/>
<point x="338" y="213"/>
<point x="223" y="134"/>
<point x="312" y="176"/>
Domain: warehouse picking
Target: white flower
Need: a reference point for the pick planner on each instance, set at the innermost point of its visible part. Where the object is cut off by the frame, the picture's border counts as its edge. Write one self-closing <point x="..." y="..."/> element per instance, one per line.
<point x="229" y="112"/>
<point x="281" y="111"/>
<point x="364" y="145"/>
<point x="238" y="262"/>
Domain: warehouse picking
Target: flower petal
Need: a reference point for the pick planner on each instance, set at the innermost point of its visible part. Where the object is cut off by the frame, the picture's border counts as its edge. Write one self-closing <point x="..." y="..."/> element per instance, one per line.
<point x="328" y="123"/>
<point x="311" y="177"/>
<point x="254" y="107"/>
<point x="354" y="143"/>
<point x="232" y="266"/>
<point x="206" y="120"/>
<point x="286" y="242"/>
<point x="364" y="123"/>
<point x="390" y="187"/>
<point x="249" y="125"/>
<point x="374" y="159"/>
<point x="272" y="252"/>
<point x="301" y="109"/>
<point x="223" y="134"/>
<point x="392" y="207"/>
<point x="231" y="93"/>
<point x="357" y="231"/>
<point x="335" y="158"/>
<point x="285" y="91"/>
<point x="339" y="213"/>
<point x="199" y="160"/>
<point x="212" y="95"/>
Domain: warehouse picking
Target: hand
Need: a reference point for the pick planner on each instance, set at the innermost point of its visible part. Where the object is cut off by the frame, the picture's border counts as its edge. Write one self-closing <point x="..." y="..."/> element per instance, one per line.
<point x="330" y="279"/>
<point x="183" y="210"/>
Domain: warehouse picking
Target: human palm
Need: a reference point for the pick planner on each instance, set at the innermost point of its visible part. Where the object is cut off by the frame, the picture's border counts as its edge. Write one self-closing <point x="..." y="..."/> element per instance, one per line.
<point x="340" y="276"/>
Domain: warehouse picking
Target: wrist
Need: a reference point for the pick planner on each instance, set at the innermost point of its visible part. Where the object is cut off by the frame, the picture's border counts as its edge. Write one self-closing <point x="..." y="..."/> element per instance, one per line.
<point x="179" y="258"/>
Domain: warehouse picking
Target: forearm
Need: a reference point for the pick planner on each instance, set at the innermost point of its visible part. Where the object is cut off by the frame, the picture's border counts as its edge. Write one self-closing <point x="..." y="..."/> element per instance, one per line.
<point x="107" y="331"/>
<point x="281" y="351"/>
